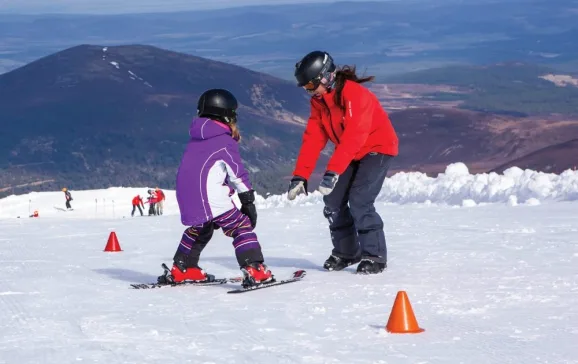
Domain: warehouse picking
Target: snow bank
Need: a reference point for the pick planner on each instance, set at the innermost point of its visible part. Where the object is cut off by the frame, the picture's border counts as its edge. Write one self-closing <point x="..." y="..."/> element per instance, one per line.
<point x="458" y="187"/>
<point x="455" y="187"/>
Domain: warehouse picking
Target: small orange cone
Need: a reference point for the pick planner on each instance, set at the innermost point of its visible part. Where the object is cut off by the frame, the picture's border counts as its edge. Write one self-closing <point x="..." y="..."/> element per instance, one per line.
<point x="402" y="319"/>
<point x="112" y="244"/>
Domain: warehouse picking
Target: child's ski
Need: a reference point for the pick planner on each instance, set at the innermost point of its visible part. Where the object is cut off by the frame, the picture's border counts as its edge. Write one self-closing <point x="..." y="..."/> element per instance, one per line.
<point x="295" y="277"/>
<point x="210" y="281"/>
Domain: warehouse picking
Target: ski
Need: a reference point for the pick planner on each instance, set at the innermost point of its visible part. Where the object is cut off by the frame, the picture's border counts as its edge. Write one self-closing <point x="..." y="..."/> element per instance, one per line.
<point x="295" y="277"/>
<point x="62" y="209"/>
<point x="213" y="281"/>
<point x="210" y="281"/>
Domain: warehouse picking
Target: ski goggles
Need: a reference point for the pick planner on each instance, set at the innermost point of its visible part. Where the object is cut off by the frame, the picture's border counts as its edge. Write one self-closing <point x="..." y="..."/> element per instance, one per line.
<point x="312" y="85"/>
<point x="325" y="78"/>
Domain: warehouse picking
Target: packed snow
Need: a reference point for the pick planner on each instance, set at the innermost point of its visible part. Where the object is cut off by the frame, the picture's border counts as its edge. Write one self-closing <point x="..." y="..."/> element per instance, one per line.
<point x="489" y="263"/>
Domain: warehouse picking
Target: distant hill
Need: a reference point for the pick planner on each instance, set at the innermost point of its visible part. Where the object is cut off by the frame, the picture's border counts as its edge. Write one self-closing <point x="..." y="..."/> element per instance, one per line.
<point x="552" y="159"/>
<point x="384" y="37"/>
<point x="507" y="88"/>
<point x="93" y="116"/>
<point x="431" y="138"/>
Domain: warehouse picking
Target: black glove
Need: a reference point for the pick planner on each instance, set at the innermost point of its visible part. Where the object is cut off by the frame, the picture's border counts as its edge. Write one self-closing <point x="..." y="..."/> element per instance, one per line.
<point x="248" y="207"/>
<point x="297" y="186"/>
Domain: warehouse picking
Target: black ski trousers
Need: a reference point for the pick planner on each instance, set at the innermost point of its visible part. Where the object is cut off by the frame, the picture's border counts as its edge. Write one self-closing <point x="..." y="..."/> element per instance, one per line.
<point x="134" y="208"/>
<point x="152" y="210"/>
<point x="356" y="228"/>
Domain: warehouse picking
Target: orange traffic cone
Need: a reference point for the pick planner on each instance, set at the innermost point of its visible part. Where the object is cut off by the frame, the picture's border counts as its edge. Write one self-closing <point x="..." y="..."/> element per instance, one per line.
<point x="112" y="244"/>
<point x="402" y="319"/>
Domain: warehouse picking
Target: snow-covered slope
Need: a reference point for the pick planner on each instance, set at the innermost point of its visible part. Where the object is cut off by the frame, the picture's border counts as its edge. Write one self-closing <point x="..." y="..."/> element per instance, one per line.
<point x="455" y="187"/>
<point x="495" y="283"/>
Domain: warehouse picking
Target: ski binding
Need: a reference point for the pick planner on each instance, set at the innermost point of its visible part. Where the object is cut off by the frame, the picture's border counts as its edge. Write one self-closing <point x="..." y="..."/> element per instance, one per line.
<point x="295" y="277"/>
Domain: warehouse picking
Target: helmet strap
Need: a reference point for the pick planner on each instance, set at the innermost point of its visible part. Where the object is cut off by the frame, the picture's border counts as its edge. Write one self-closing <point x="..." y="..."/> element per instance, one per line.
<point x="328" y="80"/>
<point x="229" y="119"/>
<point x="331" y="82"/>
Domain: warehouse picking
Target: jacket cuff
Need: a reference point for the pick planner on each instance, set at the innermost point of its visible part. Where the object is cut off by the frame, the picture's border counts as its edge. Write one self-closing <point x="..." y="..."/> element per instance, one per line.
<point x="247" y="197"/>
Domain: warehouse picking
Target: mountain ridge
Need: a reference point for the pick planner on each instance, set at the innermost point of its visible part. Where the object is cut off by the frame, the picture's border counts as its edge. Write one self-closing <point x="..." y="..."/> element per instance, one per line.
<point x="94" y="116"/>
<point x="90" y="109"/>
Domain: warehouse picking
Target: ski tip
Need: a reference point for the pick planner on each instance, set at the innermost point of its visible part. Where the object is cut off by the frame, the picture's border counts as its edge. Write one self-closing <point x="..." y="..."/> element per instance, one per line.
<point x="299" y="274"/>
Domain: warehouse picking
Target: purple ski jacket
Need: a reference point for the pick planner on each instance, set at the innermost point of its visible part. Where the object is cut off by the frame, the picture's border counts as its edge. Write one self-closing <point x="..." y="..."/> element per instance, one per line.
<point x="210" y="171"/>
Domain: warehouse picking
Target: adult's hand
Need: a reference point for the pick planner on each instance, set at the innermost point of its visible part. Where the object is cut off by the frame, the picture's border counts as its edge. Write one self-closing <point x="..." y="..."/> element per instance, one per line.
<point x="297" y="186"/>
<point x="328" y="182"/>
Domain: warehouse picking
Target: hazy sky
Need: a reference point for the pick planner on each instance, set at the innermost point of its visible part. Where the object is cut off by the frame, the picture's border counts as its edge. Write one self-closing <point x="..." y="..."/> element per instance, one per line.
<point x="131" y="6"/>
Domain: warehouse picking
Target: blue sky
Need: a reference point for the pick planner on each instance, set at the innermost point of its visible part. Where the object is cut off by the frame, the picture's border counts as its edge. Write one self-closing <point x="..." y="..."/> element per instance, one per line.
<point x="131" y="6"/>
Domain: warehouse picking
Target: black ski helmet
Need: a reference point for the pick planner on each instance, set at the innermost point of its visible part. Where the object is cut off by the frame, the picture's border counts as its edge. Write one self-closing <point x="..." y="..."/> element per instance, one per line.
<point x="218" y="103"/>
<point x="316" y="67"/>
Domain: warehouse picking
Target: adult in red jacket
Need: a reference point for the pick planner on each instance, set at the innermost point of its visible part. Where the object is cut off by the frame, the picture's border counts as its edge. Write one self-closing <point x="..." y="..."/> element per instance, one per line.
<point x="160" y="201"/>
<point x="137" y="202"/>
<point x="350" y="115"/>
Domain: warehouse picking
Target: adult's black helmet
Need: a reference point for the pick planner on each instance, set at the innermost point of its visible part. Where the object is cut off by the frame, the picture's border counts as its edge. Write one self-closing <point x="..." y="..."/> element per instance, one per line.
<point x="316" y="67"/>
<point x="218" y="103"/>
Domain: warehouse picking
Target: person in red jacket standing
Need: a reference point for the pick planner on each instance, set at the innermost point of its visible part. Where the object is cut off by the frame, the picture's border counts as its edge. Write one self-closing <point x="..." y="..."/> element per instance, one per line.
<point x="350" y="115"/>
<point x="160" y="201"/>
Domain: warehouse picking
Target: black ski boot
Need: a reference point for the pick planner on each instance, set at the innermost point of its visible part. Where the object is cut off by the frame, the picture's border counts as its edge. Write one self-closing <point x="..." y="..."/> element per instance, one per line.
<point x="368" y="266"/>
<point x="334" y="263"/>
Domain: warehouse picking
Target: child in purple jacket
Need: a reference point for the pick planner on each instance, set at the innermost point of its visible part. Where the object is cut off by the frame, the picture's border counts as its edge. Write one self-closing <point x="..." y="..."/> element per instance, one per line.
<point x="210" y="169"/>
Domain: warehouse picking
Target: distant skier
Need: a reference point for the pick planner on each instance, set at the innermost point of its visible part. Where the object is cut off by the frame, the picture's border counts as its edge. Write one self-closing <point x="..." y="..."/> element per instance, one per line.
<point x="350" y="115"/>
<point x="68" y="197"/>
<point x="211" y="161"/>
<point x="137" y="202"/>
<point x="160" y="201"/>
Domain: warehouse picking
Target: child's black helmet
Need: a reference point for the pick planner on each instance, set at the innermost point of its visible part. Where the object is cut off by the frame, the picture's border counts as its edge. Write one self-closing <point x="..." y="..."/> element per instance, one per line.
<point x="218" y="103"/>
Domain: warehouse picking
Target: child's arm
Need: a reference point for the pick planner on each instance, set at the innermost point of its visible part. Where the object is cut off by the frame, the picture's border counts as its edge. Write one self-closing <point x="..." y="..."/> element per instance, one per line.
<point x="239" y="178"/>
<point x="237" y="173"/>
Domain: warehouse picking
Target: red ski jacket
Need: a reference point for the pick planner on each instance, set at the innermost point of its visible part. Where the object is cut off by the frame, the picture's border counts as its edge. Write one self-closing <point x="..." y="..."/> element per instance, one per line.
<point x="364" y="127"/>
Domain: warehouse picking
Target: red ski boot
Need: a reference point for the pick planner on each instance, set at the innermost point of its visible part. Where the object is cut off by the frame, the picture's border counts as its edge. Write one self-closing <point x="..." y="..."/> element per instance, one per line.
<point x="255" y="274"/>
<point x="179" y="274"/>
<point x="188" y="274"/>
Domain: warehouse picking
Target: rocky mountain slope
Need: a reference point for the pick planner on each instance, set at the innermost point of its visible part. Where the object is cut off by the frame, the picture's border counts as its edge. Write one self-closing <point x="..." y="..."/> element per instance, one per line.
<point x="91" y="116"/>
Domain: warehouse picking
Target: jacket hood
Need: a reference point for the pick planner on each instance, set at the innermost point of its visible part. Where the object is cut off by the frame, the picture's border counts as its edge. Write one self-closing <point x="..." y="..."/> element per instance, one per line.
<point x="205" y="128"/>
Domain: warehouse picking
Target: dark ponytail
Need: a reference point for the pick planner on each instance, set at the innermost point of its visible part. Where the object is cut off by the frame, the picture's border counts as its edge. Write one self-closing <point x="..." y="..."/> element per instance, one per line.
<point x="343" y="74"/>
